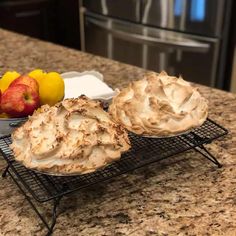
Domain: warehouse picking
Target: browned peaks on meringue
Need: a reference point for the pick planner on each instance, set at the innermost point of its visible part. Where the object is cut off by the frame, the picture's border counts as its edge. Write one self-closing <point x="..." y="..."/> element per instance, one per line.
<point x="75" y="136"/>
<point x="159" y="105"/>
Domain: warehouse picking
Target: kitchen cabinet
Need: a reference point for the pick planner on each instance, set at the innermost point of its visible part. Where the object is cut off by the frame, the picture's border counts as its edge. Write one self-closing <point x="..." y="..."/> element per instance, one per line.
<point x="52" y="20"/>
<point x="27" y="17"/>
<point x="66" y="23"/>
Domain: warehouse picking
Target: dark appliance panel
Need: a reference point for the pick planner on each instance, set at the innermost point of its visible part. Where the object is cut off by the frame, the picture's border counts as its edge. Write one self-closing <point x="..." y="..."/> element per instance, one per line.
<point x="187" y="37"/>
<point x="203" y="17"/>
<point x="123" y="9"/>
<point x="193" y="57"/>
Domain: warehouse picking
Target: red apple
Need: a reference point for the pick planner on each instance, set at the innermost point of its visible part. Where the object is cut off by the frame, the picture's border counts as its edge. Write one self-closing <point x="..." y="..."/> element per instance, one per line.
<point x="2" y="115"/>
<point x="25" y="79"/>
<point x="19" y="100"/>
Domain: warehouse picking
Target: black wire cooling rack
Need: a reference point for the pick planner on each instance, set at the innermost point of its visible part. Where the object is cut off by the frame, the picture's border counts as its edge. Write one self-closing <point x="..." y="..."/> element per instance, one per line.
<point x="43" y="188"/>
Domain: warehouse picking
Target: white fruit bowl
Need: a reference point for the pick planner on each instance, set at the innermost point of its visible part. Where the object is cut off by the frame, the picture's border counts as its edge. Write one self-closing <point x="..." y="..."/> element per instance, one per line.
<point x="7" y="125"/>
<point x="89" y="83"/>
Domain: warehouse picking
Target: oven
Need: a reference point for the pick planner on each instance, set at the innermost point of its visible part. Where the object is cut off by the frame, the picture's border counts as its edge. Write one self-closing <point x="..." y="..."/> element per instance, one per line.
<point x="182" y="37"/>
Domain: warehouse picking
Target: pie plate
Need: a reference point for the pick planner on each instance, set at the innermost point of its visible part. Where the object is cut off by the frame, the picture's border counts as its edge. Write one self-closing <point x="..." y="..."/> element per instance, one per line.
<point x="164" y="136"/>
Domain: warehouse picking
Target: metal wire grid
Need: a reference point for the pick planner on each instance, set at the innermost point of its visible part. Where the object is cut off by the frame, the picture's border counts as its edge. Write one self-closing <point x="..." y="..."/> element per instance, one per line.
<point x="144" y="151"/>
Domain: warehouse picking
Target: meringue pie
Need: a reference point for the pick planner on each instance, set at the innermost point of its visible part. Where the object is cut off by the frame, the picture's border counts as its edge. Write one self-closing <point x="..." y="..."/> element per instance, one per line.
<point x="159" y="105"/>
<point x="75" y="136"/>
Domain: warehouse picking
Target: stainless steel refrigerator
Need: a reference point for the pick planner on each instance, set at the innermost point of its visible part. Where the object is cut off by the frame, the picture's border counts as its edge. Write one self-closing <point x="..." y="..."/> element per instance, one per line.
<point x="182" y="37"/>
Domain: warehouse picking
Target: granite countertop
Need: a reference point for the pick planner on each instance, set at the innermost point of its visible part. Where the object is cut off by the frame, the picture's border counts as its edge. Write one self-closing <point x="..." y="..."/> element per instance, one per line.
<point x="183" y="195"/>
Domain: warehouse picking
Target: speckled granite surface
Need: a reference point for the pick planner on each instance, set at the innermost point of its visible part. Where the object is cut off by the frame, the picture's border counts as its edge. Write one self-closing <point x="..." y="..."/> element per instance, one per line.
<point x="184" y="195"/>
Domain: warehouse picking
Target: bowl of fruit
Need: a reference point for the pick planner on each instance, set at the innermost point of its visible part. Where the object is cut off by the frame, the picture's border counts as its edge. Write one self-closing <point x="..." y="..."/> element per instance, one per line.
<point x="21" y="95"/>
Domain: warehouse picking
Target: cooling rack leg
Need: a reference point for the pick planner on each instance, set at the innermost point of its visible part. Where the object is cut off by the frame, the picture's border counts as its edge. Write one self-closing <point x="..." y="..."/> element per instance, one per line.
<point x="56" y="203"/>
<point x="4" y="174"/>
<point x="201" y="149"/>
<point x="30" y="202"/>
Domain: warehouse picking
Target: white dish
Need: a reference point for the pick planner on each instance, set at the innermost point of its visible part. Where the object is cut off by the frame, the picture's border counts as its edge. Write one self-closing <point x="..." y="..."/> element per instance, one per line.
<point x="89" y="83"/>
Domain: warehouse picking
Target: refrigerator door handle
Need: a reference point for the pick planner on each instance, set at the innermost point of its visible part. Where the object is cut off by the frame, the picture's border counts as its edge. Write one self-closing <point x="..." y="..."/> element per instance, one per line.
<point x="171" y="42"/>
<point x="82" y="11"/>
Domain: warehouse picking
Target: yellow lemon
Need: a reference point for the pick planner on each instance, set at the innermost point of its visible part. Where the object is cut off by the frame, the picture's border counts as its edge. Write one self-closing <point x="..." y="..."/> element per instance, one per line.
<point x="51" y="89"/>
<point x="7" y="78"/>
<point x="38" y="75"/>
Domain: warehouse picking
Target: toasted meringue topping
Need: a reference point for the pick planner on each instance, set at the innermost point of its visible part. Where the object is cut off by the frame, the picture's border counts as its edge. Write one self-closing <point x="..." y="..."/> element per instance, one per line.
<point x="75" y="136"/>
<point x="159" y="105"/>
